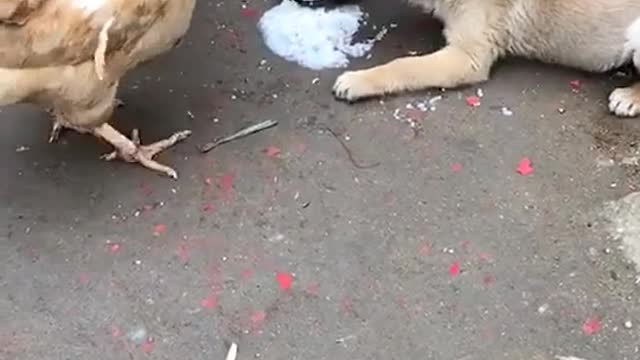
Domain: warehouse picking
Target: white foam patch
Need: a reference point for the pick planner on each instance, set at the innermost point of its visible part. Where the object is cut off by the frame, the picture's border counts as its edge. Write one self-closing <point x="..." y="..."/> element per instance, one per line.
<point x="624" y="215"/>
<point x="314" y="38"/>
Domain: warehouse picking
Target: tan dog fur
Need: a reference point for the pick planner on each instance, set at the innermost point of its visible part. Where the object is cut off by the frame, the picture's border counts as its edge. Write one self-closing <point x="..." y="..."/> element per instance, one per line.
<point x="593" y="35"/>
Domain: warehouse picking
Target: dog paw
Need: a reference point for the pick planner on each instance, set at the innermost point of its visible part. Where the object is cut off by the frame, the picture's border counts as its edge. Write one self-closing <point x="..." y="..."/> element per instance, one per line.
<point x="355" y="85"/>
<point x="625" y="102"/>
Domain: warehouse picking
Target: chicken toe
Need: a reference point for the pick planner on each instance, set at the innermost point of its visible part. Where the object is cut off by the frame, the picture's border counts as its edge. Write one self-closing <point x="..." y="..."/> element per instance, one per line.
<point x="56" y="129"/>
<point x="130" y="150"/>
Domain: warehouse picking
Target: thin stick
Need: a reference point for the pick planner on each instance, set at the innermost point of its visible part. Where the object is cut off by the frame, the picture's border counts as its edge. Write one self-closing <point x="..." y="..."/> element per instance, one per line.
<point x="233" y="352"/>
<point x="240" y="134"/>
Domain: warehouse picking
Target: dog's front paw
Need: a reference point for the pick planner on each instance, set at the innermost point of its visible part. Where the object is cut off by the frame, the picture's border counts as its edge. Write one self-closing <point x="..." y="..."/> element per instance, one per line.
<point x="355" y="85"/>
<point x="625" y="102"/>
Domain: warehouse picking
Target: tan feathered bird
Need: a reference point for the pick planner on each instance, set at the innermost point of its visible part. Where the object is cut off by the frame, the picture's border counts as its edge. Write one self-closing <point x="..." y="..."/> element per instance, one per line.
<point x="69" y="55"/>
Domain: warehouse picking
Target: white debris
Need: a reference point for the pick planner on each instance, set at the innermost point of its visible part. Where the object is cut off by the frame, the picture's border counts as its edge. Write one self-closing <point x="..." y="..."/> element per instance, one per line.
<point x="20" y="149"/>
<point x="624" y="216"/>
<point x="315" y="38"/>
<point x="568" y="358"/>
<point x="137" y="335"/>
<point x="630" y="161"/>
<point x="506" y="111"/>
<point x="233" y="352"/>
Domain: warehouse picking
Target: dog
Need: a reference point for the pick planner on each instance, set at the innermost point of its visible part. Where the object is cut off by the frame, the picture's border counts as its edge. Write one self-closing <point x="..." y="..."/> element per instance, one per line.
<point x="592" y="35"/>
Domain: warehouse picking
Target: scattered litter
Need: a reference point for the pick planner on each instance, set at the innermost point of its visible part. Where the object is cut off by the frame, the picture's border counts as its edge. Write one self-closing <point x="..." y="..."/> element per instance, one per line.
<point x="284" y="280"/>
<point x="454" y="269"/>
<point x="630" y="161"/>
<point x="543" y="308"/>
<point x="315" y="38"/>
<point x="562" y="110"/>
<point x="575" y="85"/>
<point x="114" y="248"/>
<point x="524" y="167"/>
<point x="591" y="326"/>
<point x="315" y="81"/>
<point x="342" y="340"/>
<point x="628" y="324"/>
<point x="240" y="134"/>
<point x="506" y="111"/>
<point x="137" y="335"/>
<point x="209" y="302"/>
<point x="20" y="149"/>
<point x="257" y="318"/>
<point x="248" y="13"/>
<point x="472" y="101"/>
<point x="158" y="229"/>
<point x="569" y="358"/>
<point x="456" y="167"/>
<point x="480" y="93"/>
<point x="272" y="151"/>
<point x="147" y="345"/>
<point x="233" y="352"/>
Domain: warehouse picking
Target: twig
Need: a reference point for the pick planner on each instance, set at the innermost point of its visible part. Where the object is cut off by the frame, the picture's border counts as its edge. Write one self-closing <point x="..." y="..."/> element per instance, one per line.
<point x="240" y="134"/>
<point x="233" y="352"/>
<point x="355" y="163"/>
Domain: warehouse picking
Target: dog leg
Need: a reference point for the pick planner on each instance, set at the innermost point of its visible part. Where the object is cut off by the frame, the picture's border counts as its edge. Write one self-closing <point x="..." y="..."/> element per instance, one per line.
<point x="449" y="67"/>
<point x="625" y="102"/>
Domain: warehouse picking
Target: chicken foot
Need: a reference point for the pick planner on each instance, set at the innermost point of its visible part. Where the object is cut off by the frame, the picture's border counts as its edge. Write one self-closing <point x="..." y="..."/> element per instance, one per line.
<point x="60" y="125"/>
<point x="131" y="151"/>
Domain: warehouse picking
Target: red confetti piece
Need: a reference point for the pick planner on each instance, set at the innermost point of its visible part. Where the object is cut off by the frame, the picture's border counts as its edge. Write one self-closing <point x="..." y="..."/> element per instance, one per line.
<point x="454" y="269"/>
<point x="208" y="207"/>
<point x="425" y="249"/>
<point x="575" y="84"/>
<point x="250" y="13"/>
<point x="591" y="326"/>
<point x="158" y="229"/>
<point x="225" y="183"/>
<point x="488" y="279"/>
<point x="272" y="151"/>
<point x="147" y="346"/>
<point x="456" y="167"/>
<point x="312" y="288"/>
<point x="257" y="318"/>
<point x="183" y="253"/>
<point x="83" y="278"/>
<point x="115" y="331"/>
<point x="114" y="248"/>
<point x="246" y="273"/>
<point x="284" y="280"/>
<point x="473" y="101"/>
<point x="209" y="302"/>
<point x="524" y="167"/>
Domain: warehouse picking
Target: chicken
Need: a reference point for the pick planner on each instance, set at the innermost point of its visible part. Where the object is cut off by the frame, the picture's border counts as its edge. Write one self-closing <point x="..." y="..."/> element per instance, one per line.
<point x="68" y="57"/>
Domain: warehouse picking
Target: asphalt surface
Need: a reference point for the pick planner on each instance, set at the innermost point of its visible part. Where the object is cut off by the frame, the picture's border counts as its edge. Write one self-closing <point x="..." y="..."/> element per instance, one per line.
<point x="437" y="249"/>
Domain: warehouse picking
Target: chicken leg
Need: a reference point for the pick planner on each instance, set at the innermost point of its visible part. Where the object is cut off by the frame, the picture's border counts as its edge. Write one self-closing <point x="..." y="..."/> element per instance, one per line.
<point x="60" y="125"/>
<point x="131" y="151"/>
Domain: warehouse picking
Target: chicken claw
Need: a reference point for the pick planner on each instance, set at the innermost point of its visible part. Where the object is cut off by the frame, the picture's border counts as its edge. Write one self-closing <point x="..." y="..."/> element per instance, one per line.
<point x="131" y="151"/>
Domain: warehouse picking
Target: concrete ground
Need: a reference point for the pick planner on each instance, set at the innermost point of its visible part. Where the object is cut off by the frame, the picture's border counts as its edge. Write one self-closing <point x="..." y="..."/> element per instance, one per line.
<point x="280" y="243"/>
